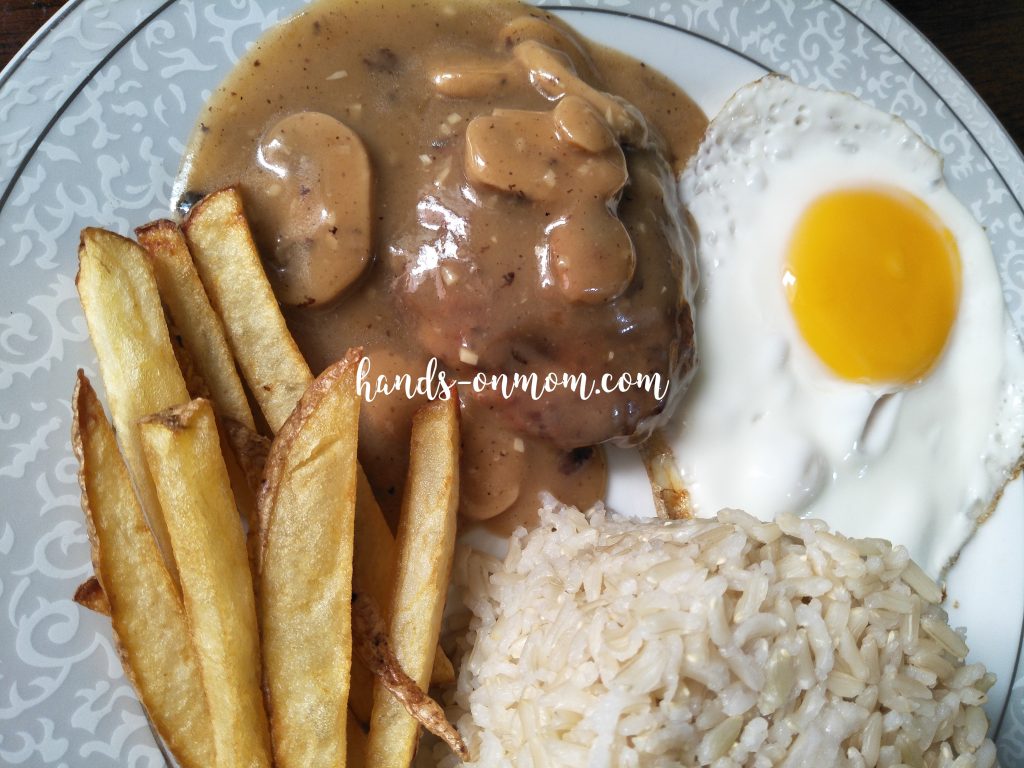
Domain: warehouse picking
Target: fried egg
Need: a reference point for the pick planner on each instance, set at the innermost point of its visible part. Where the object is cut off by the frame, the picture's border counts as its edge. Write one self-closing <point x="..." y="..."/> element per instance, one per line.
<point x="857" y="360"/>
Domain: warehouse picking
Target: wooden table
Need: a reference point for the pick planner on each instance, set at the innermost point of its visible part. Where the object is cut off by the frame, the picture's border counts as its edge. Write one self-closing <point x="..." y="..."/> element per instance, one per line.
<point x="984" y="39"/>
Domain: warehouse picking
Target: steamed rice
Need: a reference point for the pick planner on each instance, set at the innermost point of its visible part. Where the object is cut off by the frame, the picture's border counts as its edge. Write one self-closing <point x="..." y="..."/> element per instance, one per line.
<point x="603" y="641"/>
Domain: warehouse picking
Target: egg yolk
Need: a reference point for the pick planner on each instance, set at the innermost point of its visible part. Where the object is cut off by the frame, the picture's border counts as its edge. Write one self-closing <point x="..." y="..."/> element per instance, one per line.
<point x="873" y="279"/>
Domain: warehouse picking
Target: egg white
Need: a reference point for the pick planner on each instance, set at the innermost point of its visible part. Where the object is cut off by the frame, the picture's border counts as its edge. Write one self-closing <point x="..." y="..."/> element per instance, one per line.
<point x="766" y="426"/>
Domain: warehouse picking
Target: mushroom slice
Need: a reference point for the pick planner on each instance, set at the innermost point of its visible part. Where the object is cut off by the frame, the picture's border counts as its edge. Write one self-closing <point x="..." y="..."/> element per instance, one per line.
<point x="311" y="194"/>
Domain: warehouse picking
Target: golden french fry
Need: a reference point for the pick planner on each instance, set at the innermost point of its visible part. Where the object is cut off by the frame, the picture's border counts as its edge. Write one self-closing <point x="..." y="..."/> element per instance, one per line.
<point x="373" y="563"/>
<point x="307" y="511"/>
<point x="139" y="370"/>
<point x="200" y="328"/>
<point x="232" y="274"/>
<point x="374" y="575"/>
<point x="91" y="595"/>
<point x="182" y="448"/>
<point x="147" y="616"/>
<point x="371" y="645"/>
<point x="426" y="544"/>
<point x="215" y="259"/>
<point x="671" y="499"/>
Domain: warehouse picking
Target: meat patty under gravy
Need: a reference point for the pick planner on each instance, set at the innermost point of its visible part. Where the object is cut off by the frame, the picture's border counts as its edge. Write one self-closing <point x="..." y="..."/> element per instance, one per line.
<point x="474" y="183"/>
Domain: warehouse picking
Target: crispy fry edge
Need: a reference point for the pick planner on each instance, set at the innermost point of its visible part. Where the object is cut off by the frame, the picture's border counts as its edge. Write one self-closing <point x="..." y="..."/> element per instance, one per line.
<point x="91" y="595"/>
<point x="370" y="642"/>
<point x="671" y="499"/>
<point x="275" y="465"/>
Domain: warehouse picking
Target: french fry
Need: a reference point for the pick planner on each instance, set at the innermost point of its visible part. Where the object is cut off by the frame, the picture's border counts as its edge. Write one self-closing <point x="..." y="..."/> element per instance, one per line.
<point x="140" y="374"/>
<point x="149" y="622"/>
<point x="671" y="499"/>
<point x="232" y="274"/>
<point x="182" y="448"/>
<point x="91" y="595"/>
<point x="227" y="260"/>
<point x="372" y="647"/>
<point x="426" y="544"/>
<point x="374" y="575"/>
<point x="307" y="511"/>
<point x="373" y="563"/>
<point x="189" y="307"/>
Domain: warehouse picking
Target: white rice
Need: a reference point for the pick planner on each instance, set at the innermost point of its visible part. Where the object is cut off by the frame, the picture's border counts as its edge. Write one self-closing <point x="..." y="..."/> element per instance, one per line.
<point x="603" y="641"/>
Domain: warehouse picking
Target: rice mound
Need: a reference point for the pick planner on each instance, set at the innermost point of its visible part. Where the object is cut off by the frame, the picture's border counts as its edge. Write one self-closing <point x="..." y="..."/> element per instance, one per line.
<point x="606" y="641"/>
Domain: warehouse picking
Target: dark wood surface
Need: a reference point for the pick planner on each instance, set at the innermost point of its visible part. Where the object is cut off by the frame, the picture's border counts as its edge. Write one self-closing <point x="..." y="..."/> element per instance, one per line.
<point x="984" y="39"/>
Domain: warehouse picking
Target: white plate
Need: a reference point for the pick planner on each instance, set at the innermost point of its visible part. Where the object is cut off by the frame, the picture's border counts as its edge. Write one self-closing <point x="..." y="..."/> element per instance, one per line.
<point x="93" y="117"/>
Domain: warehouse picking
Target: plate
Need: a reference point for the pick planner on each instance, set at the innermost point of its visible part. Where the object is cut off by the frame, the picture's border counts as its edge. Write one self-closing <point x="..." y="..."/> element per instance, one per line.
<point x="94" y="113"/>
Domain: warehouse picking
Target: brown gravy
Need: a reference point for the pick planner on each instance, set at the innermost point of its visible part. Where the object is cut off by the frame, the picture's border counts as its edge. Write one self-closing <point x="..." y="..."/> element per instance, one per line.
<point x="453" y="180"/>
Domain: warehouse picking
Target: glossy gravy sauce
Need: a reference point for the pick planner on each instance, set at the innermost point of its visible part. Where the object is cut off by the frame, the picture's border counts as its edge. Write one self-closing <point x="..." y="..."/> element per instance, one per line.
<point x="471" y="182"/>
